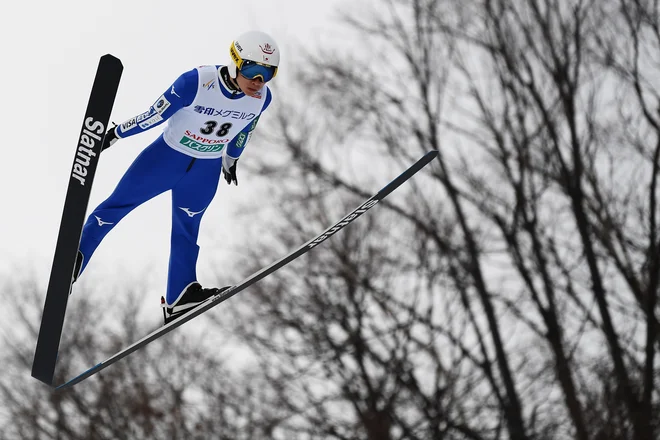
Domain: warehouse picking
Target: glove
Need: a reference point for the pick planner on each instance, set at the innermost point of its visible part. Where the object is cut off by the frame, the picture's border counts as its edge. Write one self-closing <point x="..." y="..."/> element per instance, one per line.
<point x="110" y="138"/>
<point x="229" y="170"/>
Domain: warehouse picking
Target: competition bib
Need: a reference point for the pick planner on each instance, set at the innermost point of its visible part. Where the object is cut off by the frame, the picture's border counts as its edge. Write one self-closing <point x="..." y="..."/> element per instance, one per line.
<point x="204" y="128"/>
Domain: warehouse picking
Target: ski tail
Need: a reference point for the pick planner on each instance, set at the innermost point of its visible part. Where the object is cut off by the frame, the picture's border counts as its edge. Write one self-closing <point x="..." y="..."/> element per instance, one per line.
<point x="88" y="149"/>
<point x="226" y="294"/>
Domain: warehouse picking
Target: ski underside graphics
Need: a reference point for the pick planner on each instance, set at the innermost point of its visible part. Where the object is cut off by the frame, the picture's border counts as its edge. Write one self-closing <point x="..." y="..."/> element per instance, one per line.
<point x="228" y="293"/>
<point x="86" y="157"/>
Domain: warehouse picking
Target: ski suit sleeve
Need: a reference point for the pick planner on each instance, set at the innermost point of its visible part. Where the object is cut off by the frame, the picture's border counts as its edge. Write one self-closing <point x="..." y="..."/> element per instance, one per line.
<point x="180" y="94"/>
<point x="237" y="145"/>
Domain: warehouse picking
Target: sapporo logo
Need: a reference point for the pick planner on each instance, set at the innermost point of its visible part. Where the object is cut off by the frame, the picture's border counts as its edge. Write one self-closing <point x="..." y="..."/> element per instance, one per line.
<point x="198" y="146"/>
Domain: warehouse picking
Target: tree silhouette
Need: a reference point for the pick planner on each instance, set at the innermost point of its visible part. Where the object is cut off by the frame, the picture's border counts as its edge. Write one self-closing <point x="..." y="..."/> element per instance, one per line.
<point x="536" y="228"/>
<point x="177" y="388"/>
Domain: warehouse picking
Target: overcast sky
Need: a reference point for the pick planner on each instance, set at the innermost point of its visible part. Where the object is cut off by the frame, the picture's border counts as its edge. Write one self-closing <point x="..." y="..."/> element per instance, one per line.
<point x="50" y="52"/>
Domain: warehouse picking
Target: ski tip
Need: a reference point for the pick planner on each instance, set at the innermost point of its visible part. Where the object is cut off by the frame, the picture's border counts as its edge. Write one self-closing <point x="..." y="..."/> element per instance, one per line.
<point x="45" y="379"/>
<point x="44" y="372"/>
<point x="111" y="58"/>
<point x="433" y="153"/>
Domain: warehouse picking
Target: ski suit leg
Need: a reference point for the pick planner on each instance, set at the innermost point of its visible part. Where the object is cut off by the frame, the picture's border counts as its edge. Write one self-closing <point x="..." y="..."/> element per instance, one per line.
<point x="157" y="169"/>
<point x="190" y="198"/>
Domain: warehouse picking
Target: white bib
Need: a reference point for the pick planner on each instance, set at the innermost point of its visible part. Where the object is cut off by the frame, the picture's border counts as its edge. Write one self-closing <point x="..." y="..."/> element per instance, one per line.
<point x="205" y="127"/>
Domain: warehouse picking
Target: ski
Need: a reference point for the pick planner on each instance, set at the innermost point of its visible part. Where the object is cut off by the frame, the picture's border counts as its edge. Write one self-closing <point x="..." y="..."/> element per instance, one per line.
<point x="226" y="294"/>
<point x="88" y="149"/>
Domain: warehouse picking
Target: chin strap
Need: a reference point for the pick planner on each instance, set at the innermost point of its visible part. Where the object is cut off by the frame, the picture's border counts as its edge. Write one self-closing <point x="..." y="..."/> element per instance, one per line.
<point x="228" y="81"/>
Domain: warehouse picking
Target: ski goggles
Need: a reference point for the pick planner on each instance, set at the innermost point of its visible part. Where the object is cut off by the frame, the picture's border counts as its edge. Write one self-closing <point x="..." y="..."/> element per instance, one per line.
<point x="253" y="70"/>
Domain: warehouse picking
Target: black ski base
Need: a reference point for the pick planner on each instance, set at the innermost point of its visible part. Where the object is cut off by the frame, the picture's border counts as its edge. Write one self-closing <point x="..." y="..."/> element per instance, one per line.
<point x="86" y="156"/>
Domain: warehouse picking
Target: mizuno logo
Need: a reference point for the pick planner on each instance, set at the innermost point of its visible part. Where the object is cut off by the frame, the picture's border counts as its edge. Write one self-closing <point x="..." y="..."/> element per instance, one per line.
<point x="191" y="213"/>
<point x="101" y="222"/>
<point x="173" y="92"/>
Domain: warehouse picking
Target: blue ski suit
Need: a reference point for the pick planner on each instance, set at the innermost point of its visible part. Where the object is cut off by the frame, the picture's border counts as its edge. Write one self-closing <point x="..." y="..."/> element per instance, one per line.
<point x="208" y="123"/>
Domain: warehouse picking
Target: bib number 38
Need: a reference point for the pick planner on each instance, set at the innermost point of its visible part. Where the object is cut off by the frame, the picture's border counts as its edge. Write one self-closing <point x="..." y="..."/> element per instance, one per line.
<point x="210" y="126"/>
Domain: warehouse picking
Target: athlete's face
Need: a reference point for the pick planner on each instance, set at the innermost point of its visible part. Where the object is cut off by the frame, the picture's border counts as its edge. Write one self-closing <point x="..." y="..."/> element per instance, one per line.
<point x="249" y="86"/>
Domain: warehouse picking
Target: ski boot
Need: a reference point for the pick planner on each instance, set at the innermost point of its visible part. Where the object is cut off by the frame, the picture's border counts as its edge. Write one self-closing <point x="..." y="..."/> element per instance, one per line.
<point x="192" y="296"/>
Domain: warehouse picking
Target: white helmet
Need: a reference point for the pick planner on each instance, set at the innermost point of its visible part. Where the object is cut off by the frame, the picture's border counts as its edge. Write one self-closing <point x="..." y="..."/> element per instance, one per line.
<point x="255" y="55"/>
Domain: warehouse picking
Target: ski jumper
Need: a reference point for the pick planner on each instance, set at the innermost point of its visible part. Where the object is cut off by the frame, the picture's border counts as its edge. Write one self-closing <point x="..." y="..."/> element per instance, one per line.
<point x="206" y="123"/>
